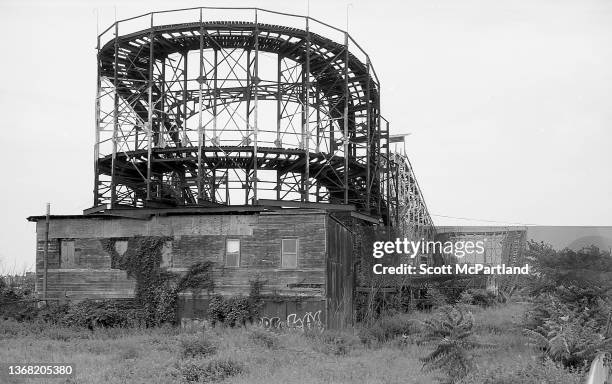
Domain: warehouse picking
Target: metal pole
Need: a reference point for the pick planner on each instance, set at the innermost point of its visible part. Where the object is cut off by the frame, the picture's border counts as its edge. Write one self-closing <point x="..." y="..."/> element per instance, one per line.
<point x="46" y="251"/>
<point x="97" y="128"/>
<point x="388" y="170"/>
<point x="318" y="104"/>
<point x="306" y="138"/>
<point x="215" y="95"/>
<point x="279" y="96"/>
<point x="150" y="116"/>
<point x="397" y="193"/>
<point x="346" y="125"/>
<point x="214" y="136"/>
<point x="115" y="119"/>
<point x="227" y="189"/>
<point x="185" y="55"/>
<point x="369" y="136"/>
<point x="379" y="158"/>
<point x="162" y="96"/>
<point x="255" y="128"/>
<point x="200" y="128"/>
<point x="247" y="96"/>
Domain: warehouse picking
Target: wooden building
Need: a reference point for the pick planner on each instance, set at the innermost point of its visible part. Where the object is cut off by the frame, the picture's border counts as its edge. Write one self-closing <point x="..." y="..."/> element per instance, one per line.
<point x="303" y="256"/>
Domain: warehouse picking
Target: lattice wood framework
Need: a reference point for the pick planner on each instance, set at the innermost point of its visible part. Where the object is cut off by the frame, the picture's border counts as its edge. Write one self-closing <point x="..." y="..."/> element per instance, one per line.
<point x="209" y="113"/>
<point x="407" y="209"/>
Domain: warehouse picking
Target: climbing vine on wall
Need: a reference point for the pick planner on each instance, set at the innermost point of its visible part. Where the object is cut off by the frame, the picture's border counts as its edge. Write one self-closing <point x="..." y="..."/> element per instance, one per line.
<point x="156" y="288"/>
<point x="237" y="311"/>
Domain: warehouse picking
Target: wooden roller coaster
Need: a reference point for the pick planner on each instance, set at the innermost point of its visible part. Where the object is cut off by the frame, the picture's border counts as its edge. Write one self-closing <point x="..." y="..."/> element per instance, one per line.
<point x="212" y="113"/>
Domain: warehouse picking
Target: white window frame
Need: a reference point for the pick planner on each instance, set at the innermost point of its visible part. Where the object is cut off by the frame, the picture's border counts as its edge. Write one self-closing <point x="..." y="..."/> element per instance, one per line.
<point x="296" y="253"/>
<point x="228" y="253"/>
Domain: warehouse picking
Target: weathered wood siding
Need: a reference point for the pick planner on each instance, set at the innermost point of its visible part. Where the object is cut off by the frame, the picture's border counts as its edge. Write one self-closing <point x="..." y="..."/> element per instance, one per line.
<point x="195" y="238"/>
<point x="340" y="277"/>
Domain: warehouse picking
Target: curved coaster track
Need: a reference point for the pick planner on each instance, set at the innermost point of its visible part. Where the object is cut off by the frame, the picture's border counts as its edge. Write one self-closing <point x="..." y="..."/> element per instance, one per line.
<point x="208" y="113"/>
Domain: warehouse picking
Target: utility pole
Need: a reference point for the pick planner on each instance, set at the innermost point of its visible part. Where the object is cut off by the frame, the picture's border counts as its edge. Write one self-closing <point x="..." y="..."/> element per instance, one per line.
<point x="46" y="252"/>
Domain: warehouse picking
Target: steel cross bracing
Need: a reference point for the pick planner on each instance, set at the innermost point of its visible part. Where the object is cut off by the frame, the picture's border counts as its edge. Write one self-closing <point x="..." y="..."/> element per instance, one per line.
<point x="230" y="112"/>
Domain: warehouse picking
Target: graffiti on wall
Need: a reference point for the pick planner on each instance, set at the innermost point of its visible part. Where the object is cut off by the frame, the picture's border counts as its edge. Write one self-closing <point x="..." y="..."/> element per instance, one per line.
<point x="308" y="321"/>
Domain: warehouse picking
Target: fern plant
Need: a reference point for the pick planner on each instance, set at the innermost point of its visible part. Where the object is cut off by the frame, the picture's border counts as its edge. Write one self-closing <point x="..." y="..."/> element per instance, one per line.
<point x="569" y="340"/>
<point x="452" y="332"/>
<point x="567" y="333"/>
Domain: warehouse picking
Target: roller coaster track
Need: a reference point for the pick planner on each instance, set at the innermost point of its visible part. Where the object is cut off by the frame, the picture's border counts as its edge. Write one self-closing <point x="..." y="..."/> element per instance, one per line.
<point x="192" y="113"/>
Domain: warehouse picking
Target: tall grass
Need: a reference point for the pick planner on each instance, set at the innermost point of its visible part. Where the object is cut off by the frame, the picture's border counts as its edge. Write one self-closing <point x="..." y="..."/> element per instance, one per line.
<point x="251" y="355"/>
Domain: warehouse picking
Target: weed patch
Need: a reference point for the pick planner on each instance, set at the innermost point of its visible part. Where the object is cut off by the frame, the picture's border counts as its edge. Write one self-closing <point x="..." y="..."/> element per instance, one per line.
<point x="213" y="371"/>
<point x="197" y="346"/>
<point x="387" y="328"/>
<point x="263" y="338"/>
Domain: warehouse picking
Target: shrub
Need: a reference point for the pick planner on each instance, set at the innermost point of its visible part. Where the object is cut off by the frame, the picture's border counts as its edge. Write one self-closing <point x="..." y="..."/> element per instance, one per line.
<point x="238" y="312"/>
<point x="19" y="311"/>
<point x="572" y="343"/>
<point x="99" y="313"/>
<point x="217" y="309"/>
<point x="16" y="302"/>
<point x="93" y="314"/>
<point x="453" y="334"/>
<point x="53" y="313"/>
<point x="564" y="332"/>
<point x="214" y="371"/>
<point x="233" y="311"/>
<point x="197" y="346"/>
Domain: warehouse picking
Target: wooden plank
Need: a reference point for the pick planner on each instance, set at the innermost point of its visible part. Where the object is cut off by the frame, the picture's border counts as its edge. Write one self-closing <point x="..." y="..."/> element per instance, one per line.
<point x="299" y="204"/>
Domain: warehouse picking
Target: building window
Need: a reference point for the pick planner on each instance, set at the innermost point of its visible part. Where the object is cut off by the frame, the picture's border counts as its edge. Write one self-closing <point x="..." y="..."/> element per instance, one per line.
<point x="289" y="251"/>
<point x="232" y="253"/>
<point x="166" y="254"/>
<point x="67" y="254"/>
<point x="121" y="247"/>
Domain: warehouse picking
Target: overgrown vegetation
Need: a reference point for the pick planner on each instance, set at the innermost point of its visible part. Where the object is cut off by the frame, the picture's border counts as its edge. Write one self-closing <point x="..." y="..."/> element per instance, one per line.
<point x="197" y="346"/>
<point x="156" y="289"/>
<point x="263" y="338"/>
<point x="482" y="297"/>
<point x="17" y="297"/>
<point x="170" y="355"/>
<point x="236" y="311"/>
<point x="453" y="335"/>
<point x="210" y="372"/>
<point x="424" y="295"/>
<point x="569" y="320"/>
<point x="155" y="301"/>
<point x="388" y="328"/>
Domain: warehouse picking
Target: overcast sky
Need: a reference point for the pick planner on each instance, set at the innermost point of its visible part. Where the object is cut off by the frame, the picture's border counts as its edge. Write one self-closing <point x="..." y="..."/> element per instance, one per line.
<point x="509" y="104"/>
